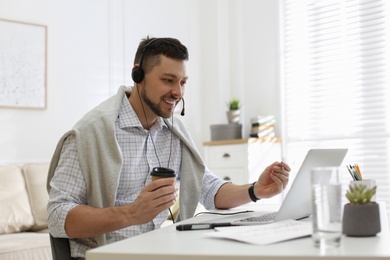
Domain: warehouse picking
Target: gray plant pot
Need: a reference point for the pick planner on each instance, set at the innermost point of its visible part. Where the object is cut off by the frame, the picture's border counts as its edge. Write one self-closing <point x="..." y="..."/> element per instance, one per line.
<point x="361" y="220"/>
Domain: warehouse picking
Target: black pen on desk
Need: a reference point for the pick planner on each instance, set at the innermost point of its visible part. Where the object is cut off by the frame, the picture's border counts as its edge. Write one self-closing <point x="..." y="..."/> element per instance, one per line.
<point x="202" y="226"/>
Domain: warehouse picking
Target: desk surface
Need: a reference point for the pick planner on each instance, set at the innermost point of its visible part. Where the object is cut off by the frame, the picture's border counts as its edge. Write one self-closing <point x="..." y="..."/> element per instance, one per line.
<point x="167" y="243"/>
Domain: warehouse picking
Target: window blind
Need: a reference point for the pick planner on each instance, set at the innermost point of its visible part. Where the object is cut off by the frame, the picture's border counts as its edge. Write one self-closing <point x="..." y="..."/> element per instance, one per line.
<point x="335" y="83"/>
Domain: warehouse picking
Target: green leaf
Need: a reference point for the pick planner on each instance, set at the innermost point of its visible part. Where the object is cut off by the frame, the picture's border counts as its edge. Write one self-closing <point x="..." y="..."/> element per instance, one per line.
<point x="360" y="194"/>
<point x="234" y="104"/>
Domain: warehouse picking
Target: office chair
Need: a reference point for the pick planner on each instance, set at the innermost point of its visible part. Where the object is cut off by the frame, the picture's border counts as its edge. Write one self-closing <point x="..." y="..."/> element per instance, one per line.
<point x="60" y="248"/>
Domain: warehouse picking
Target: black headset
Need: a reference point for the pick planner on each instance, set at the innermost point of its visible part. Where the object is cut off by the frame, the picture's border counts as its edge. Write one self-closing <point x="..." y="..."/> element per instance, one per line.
<point x="138" y="73"/>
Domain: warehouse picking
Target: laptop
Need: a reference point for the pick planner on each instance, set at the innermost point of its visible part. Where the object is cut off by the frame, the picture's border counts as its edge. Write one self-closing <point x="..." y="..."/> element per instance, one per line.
<point x="297" y="204"/>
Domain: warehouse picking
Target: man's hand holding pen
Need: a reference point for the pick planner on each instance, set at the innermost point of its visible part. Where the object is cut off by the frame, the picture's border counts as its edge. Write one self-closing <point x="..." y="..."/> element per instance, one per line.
<point x="273" y="180"/>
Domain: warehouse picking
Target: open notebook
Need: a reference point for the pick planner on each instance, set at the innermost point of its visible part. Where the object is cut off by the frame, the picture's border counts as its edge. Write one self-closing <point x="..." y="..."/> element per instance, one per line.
<point x="297" y="204"/>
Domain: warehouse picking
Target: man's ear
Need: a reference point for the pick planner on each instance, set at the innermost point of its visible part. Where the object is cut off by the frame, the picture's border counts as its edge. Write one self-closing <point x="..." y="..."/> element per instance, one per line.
<point x="137" y="73"/>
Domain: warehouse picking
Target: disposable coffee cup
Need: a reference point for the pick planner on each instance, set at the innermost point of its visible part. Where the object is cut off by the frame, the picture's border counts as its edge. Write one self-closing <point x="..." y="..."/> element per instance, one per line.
<point x="161" y="172"/>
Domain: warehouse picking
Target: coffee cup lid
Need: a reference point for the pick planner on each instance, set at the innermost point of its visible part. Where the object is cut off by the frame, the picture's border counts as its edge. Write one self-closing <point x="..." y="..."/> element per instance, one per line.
<point x="163" y="172"/>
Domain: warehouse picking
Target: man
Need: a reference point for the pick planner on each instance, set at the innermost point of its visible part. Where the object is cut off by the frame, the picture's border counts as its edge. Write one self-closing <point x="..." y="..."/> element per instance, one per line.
<point x="99" y="179"/>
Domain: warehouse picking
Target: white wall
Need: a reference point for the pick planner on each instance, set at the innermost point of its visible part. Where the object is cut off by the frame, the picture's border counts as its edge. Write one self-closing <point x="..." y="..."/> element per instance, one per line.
<point x="77" y="75"/>
<point x="239" y="58"/>
<point x="91" y="43"/>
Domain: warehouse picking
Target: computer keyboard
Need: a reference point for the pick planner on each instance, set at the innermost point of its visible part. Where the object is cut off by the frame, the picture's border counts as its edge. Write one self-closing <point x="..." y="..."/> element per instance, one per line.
<point x="268" y="217"/>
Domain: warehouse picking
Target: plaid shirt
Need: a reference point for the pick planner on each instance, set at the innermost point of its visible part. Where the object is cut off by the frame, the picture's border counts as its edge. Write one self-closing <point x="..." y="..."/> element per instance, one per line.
<point x="141" y="151"/>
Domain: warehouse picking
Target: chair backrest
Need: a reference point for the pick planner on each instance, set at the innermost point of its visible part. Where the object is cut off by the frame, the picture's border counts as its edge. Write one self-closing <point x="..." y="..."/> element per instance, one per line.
<point x="60" y="248"/>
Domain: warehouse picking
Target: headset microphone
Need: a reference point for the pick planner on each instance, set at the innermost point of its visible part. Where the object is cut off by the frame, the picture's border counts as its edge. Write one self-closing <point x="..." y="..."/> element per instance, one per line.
<point x="182" y="111"/>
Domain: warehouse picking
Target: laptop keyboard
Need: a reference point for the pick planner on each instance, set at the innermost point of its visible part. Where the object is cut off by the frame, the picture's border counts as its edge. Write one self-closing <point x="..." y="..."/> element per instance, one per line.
<point x="269" y="217"/>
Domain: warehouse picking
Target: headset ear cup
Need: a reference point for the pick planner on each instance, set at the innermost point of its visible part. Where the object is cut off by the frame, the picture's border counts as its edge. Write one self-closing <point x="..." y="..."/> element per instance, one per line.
<point x="137" y="74"/>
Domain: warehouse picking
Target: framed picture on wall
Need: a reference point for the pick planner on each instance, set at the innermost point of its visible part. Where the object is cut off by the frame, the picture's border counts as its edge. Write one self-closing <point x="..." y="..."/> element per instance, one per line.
<point x="23" y="61"/>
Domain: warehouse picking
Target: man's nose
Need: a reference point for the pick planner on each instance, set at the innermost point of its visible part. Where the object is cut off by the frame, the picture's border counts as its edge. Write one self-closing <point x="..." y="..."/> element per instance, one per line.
<point x="177" y="90"/>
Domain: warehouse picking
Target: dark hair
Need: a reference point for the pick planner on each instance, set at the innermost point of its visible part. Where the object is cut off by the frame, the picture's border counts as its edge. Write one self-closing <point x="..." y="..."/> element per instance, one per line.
<point x="169" y="47"/>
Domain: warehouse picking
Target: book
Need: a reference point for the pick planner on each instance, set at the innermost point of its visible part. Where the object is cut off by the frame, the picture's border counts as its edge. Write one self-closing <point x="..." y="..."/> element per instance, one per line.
<point x="262" y="135"/>
<point x="260" y="120"/>
<point x="258" y="129"/>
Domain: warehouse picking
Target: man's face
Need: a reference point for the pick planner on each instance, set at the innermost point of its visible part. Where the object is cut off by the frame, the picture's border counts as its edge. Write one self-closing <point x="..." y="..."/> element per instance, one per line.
<point x="163" y="86"/>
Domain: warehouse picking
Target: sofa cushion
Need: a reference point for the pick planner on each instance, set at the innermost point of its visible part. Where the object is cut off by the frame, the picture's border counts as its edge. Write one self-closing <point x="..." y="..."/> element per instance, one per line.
<point x="25" y="245"/>
<point x="35" y="176"/>
<point x="15" y="213"/>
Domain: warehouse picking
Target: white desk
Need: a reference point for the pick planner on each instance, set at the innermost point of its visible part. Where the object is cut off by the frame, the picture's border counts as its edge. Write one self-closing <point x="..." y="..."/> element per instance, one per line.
<point x="167" y="243"/>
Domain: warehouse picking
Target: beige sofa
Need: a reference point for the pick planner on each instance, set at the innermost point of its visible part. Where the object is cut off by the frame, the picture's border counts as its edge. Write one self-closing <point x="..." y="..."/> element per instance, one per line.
<point x="23" y="200"/>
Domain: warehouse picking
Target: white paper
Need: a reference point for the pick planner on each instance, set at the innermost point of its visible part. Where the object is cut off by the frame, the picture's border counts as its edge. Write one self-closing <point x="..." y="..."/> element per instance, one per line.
<point x="264" y="234"/>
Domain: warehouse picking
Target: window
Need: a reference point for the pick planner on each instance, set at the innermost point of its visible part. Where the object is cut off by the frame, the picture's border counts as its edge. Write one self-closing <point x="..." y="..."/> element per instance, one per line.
<point x="335" y="83"/>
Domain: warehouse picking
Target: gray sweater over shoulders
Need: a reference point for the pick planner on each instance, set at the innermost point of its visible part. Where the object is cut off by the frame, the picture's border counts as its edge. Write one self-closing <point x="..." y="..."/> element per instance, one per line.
<point x="101" y="160"/>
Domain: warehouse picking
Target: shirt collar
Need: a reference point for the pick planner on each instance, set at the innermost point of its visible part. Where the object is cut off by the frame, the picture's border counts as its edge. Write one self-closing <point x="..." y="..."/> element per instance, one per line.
<point x="128" y="117"/>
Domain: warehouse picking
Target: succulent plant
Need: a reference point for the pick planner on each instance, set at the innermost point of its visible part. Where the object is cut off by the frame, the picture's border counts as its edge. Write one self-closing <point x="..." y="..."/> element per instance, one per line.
<point x="234" y="104"/>
<point x="360" y="194"/>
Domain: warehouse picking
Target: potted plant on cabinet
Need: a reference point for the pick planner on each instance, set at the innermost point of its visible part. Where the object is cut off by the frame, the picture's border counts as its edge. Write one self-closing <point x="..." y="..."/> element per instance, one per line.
<point x="361" y="215"/>
<point x="233" y="114"/>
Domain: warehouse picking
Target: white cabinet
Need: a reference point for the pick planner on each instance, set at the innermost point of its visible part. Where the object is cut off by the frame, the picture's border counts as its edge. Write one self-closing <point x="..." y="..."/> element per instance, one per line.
<point x="241" y="161"/>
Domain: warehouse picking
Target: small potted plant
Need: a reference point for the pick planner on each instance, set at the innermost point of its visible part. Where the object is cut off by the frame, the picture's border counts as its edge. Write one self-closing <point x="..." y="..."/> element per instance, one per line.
<point x="234" y="104"/>
<point x="233" y="114"/>
<point x="361" y="215"/>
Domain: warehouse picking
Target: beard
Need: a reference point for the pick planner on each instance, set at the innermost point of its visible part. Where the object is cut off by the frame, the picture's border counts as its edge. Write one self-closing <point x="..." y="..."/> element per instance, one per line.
<point x="153" y="106"/>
